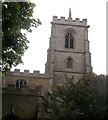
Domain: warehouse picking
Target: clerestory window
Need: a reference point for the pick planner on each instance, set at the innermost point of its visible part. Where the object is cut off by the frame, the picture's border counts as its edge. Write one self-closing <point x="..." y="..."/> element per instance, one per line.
<point x="69" y="40"/>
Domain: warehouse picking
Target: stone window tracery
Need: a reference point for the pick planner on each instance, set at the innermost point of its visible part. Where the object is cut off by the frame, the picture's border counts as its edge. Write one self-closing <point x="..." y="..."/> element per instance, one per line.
<point x="20" y="83"/>
<point x="69" y="40"/>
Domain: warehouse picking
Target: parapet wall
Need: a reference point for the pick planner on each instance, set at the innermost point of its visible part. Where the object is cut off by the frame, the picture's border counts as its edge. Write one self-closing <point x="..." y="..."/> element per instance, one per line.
<point x="35" y="73"/>
<point x="70" y="21"/>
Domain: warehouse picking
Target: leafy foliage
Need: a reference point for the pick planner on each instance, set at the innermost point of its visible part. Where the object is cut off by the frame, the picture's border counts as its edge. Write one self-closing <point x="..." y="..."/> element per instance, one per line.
<point x="16" y="16"/>
<point x="79" y="101"/>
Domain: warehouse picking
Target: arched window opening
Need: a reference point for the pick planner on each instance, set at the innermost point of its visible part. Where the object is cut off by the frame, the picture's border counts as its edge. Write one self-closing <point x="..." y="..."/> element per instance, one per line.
<point x="69" y="40"/>
<point x="20" y="83"/>
<point x="69" y="62"/>
<point x="17" y="84"/>
<point x="66" y="42"/>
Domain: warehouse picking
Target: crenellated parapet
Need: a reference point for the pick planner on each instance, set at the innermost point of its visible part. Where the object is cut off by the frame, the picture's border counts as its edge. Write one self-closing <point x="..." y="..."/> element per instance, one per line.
<point x="27" y="73"/>
<point x="69" y="21"/>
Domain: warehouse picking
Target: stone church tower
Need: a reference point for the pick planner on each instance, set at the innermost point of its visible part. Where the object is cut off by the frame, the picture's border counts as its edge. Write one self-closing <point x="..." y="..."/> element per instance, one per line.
<point x="68" y="55"/>
<point x="68" y="58"/>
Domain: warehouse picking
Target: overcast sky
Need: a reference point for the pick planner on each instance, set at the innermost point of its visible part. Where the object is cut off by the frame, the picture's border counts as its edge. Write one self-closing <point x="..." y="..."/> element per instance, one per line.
<point x="95" y="12"/>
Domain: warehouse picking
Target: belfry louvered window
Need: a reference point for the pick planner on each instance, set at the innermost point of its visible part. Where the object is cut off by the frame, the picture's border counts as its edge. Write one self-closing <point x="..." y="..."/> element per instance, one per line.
<point x="69" y="62"/>
<point x="69" y="40"/>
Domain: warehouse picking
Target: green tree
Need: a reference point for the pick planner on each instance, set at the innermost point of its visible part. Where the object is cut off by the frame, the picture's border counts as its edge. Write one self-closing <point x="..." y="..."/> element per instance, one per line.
<point x="79" y="101"/>
<point x="17" y="17"/>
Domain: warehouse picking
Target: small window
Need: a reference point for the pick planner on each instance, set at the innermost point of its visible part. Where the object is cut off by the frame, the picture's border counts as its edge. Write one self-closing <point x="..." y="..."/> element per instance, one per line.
<point x="19" y="83"/>
<point x="69" y="40"/>
<point x="69" y="62"/>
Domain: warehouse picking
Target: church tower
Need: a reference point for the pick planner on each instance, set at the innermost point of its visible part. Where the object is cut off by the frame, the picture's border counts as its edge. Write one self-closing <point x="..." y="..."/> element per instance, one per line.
<point x="68" y="56"/>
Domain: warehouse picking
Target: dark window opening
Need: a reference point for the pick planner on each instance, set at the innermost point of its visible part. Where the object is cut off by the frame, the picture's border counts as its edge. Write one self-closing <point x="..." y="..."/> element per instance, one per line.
<point x="69" y="40"/>
<point x="20" y="83"/>
<point x="69" y="63"/>
<point x="66" y="42"/>
<point x="17" y="84"/>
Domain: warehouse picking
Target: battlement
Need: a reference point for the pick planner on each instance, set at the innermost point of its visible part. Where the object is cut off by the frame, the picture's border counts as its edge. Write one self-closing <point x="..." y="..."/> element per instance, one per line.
<point x="35" y="73"/>
<point x="69" y="21"/>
